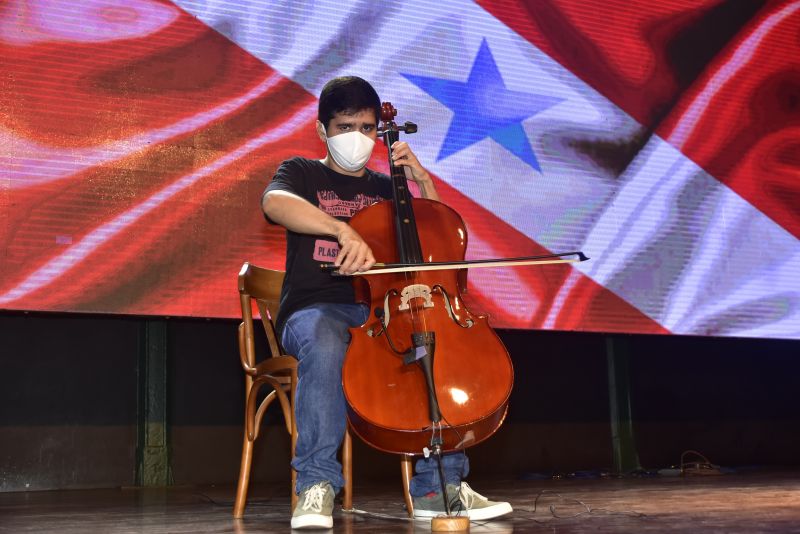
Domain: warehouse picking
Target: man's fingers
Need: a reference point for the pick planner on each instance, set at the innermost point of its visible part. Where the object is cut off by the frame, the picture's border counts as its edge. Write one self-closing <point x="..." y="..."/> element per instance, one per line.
<point x="368" y="262"/>
<point x="401" y="153"/>
<point x="348" y="258"/>
<point x="355" y="257"/>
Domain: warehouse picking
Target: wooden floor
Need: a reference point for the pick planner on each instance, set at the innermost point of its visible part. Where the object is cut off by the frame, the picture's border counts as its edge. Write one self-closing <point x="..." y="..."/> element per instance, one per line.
<point x="752" y="502"/>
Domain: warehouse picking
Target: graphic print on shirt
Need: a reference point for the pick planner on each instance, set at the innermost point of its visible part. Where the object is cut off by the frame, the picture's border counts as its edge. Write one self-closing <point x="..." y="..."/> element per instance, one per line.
<point x="329" y="202"/>
<point x="325" y="250"/>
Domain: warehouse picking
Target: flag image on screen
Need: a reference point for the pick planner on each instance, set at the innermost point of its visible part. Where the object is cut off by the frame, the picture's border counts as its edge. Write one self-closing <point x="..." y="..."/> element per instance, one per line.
<point x="662" y="138"/>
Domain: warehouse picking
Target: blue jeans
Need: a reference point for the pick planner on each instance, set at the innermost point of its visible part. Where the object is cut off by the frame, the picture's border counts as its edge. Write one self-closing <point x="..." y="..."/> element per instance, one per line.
<point x="318" y="337"/>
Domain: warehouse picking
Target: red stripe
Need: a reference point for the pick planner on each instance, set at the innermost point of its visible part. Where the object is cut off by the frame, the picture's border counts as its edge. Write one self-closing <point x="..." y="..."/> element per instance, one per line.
<point x="179" y="258"/>
<point x="181" y="241"/>
<point x="746" y="127"/>
<point x="85" y="94"/>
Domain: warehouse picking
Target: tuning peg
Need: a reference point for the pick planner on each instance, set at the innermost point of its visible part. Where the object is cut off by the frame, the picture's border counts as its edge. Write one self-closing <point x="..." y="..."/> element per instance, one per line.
<point x="409" y="127"/>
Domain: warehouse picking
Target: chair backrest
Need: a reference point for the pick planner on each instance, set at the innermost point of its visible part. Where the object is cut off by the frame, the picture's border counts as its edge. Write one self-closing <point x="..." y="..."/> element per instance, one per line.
<point x="264" y="287"/>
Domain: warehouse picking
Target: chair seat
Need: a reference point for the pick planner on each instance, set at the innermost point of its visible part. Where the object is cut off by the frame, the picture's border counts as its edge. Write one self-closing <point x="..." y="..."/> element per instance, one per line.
<point x="277" y="366"/>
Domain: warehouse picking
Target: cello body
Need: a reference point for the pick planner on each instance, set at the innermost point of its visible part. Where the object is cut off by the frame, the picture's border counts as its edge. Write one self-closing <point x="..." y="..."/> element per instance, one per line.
<point x="389" y="402"/>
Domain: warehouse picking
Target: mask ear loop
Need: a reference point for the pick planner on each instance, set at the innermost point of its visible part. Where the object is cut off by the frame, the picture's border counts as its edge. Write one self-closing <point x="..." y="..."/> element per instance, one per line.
<point x="321" y="129"/>
<point x="326" y="138"/>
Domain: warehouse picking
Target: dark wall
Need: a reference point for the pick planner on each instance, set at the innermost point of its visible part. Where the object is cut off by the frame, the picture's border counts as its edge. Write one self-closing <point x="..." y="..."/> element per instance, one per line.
<point x="68" y="398"/>
<point x="69" y="405"/>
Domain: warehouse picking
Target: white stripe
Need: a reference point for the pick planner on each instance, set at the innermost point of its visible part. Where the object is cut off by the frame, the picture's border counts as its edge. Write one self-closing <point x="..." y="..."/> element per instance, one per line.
<point x="692" y="254"/>
<point x="667" y="237"/>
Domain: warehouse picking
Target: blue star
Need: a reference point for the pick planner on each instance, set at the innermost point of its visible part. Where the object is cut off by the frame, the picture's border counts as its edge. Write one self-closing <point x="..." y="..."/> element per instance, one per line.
<point x="483" y="107"/>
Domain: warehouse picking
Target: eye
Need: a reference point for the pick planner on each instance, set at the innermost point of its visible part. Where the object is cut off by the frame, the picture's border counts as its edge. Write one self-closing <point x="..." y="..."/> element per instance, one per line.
<point x="368" y="127"/>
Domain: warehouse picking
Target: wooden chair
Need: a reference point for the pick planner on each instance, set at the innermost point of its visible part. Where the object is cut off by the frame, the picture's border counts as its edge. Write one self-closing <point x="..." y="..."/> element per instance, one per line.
<point x="278" y="372"/>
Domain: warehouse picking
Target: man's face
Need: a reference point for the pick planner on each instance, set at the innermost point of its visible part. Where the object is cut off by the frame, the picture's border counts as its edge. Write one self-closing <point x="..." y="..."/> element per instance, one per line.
<point x="363" y="121"/>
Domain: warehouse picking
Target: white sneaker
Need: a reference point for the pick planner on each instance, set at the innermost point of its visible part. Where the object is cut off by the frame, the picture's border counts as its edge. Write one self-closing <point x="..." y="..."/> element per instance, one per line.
<point x="469" y="503"/>
<point x="480" y="508"/>
<point x="314" y="507"/>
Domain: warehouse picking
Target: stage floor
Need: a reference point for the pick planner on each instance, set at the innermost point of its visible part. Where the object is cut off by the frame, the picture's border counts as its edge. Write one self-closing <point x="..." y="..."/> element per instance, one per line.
<point x="749" y="502"/>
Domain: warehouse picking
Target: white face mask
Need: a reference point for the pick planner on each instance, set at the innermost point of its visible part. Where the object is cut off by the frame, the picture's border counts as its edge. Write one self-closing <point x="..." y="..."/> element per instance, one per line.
<point x="350" y="150"/>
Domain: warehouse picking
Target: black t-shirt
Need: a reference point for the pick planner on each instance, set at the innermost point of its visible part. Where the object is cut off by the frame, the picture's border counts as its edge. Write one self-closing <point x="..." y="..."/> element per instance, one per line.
<point x="338" y="195"/>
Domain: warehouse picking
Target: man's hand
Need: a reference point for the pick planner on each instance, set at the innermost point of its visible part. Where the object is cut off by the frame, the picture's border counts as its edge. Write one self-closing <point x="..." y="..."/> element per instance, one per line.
<point x="403" y="156"/>
<point x="354" y="253"/>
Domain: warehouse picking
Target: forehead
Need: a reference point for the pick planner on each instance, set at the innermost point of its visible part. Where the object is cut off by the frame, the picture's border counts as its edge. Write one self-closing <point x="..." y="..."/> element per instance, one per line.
<point x="363" y="116"/>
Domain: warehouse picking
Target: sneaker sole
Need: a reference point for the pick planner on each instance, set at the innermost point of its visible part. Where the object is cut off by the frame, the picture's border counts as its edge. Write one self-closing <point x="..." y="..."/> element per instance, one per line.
<point x="478" y="514"/>
<point x="490" y="512"/>
<point x="312" y="521"/>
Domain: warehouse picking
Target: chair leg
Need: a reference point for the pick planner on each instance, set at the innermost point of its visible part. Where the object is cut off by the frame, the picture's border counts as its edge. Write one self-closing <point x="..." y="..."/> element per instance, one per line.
<point x="292" y="396"/>
<point x="406" y="470"/>
<point x="244" y="478"/>
<point x="347" y="471"/>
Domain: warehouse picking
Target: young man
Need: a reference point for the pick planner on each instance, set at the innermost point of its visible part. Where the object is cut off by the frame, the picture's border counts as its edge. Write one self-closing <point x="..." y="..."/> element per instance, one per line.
<point x="314" y="200"/>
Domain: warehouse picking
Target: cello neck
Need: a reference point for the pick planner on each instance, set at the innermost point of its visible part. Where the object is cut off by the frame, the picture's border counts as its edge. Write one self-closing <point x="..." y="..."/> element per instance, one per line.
<point x="408" y="244"/>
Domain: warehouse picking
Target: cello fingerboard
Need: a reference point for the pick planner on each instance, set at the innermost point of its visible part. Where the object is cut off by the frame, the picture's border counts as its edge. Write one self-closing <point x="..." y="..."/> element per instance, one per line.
<point x="409" y="249"/>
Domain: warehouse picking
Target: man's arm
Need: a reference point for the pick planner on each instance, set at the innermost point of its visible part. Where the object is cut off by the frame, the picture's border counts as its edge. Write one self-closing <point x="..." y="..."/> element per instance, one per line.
<point x="427" y="189"/>
<point x="298" y="215"/>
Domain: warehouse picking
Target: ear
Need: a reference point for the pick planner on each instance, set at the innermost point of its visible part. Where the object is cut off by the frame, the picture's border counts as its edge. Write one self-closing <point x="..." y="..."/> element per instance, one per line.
<point x="321" y="131"/>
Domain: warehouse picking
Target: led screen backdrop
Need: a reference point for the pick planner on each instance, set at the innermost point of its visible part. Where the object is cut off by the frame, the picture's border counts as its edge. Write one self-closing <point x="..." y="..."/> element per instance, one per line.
<point x="660" y="137"/>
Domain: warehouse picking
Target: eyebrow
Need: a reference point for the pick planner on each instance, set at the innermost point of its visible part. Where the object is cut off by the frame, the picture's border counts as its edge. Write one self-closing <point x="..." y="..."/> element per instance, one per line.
<point x="353" y="123"/>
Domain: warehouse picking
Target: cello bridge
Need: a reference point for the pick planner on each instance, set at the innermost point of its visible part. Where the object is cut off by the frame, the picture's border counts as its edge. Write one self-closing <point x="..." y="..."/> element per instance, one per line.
<point x="415" y="291"/>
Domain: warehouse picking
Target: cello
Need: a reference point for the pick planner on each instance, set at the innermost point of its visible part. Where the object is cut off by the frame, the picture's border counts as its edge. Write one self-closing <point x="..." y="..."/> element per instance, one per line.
<point x="423" y="372"/>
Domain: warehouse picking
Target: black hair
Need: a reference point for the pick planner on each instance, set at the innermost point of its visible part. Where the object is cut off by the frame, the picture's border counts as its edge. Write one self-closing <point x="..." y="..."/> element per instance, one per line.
<point x="347" y="94"/>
